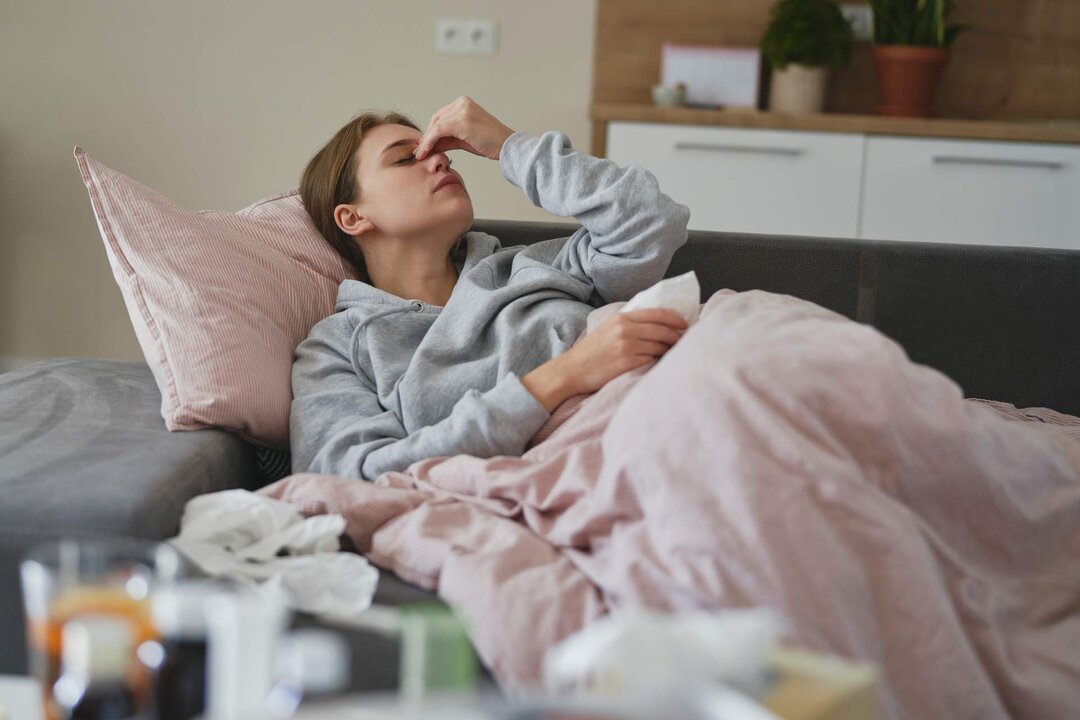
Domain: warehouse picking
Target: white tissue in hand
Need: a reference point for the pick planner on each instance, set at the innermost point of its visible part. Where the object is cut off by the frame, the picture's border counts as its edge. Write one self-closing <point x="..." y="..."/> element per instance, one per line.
<point x="681" y="294"/>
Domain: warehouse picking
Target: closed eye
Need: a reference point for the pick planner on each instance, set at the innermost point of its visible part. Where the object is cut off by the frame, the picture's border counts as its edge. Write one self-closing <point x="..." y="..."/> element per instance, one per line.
<point x="409" y="157"/>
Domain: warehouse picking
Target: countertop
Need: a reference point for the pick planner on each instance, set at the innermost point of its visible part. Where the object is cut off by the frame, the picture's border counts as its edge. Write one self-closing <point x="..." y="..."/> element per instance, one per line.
<point x="1051" y="131"/>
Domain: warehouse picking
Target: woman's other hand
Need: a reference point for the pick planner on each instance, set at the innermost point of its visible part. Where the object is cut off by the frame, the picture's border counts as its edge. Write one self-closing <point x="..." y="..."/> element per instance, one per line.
<point x="622" y="342"/>
<point x="463" y="125"/>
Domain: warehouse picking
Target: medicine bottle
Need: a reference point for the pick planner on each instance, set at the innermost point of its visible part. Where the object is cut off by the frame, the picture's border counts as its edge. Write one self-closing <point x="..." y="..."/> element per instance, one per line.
<point x="177" y="660"/>
<point x="95" y="657"/>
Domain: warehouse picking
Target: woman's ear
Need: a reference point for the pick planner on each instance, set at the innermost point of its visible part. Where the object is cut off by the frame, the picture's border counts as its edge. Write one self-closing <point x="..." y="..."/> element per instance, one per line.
<point x="351" y="222"/>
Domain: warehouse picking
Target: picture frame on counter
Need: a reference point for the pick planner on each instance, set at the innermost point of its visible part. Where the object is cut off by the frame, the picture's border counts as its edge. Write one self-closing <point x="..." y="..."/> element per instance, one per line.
<point x="715" y="76"/>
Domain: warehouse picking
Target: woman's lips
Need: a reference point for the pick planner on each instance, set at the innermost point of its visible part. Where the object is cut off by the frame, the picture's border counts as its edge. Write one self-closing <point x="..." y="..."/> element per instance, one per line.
<point x="451" y="184"/>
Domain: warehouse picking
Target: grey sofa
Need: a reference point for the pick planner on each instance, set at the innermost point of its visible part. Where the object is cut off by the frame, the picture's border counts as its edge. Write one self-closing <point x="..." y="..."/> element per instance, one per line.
<point x="84" y="451"/>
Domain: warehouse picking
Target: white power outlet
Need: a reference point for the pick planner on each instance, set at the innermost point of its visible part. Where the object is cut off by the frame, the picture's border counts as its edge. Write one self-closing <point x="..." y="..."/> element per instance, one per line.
<point x="465" y="37"/>
<point x="861" y="19"/>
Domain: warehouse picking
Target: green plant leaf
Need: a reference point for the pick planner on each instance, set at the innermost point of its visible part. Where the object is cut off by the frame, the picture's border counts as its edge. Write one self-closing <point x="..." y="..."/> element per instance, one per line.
<point x="914" y="22"/>
<point x="892" y="21"/>
<point x="807" y="32"/>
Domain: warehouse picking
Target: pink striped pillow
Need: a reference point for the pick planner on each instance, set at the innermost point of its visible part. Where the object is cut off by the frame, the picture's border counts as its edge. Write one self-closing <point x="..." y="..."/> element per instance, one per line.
<point x="219" y="300"/>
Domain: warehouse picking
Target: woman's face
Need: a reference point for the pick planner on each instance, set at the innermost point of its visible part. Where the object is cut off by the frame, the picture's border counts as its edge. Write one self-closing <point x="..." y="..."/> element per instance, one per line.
<point x="398" y="194"/>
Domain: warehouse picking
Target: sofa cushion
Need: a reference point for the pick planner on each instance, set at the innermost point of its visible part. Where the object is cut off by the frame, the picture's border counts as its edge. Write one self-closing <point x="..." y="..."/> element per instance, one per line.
<point x="822" y="270"/>
<point x="85" y="451"/>
<point x="1000" y="321"/>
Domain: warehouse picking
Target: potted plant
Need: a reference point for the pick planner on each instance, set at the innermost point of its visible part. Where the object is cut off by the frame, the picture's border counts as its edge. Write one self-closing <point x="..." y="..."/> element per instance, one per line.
<point x="911" y="41"/>
<point x="804" y="39"/>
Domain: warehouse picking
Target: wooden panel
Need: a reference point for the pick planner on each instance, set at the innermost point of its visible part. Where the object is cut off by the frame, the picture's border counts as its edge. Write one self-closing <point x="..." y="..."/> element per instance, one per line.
<point x="630" y="33"/>
<point x="1021" y="62"/>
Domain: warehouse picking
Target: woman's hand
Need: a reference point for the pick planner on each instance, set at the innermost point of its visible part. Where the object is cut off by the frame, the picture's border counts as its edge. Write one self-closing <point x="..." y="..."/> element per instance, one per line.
<point x="622" y="342"/>
<point x="463" y="125"/>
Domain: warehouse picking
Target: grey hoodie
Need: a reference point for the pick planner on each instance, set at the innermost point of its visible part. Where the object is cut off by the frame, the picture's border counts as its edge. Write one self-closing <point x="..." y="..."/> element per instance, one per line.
<point x="387" y="381"/>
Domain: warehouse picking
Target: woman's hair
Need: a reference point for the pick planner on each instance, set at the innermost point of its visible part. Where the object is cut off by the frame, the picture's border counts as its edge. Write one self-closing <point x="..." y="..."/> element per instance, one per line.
<point x="329" y="180"/>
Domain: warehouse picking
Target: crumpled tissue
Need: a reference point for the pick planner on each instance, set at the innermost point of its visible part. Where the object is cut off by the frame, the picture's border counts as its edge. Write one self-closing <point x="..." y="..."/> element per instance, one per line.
<point x="269" y="545"/>
<point x="681" y="293"/>
<point x="647" y="654"/>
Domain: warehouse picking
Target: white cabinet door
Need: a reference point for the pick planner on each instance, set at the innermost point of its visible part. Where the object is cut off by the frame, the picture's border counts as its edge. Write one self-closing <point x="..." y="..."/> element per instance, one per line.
<point x="747" y="180"/>
<point x="961" y="191"/>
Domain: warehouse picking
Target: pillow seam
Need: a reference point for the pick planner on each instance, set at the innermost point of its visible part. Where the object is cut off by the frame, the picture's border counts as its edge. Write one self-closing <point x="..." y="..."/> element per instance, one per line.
<point x="133" y="280"/>
<point x="246" y="212"/>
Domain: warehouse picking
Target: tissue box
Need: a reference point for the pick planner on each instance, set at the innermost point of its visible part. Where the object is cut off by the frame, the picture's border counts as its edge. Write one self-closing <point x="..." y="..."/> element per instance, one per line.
<point x="714" y="76"/>
<point x="819" y="687"/>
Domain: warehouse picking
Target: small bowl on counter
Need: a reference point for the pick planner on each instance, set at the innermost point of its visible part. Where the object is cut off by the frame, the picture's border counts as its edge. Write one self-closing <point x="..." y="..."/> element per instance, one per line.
<point x="669" y="95"/>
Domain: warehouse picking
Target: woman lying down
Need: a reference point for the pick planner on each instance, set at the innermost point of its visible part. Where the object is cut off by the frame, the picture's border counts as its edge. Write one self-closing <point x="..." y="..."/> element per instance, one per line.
<point x="452" y="343"/>
<point x="777" y="454"/>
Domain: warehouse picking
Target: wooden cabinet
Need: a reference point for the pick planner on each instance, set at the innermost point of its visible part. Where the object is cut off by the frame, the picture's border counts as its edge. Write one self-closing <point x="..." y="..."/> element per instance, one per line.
<point x="856" y="185"/>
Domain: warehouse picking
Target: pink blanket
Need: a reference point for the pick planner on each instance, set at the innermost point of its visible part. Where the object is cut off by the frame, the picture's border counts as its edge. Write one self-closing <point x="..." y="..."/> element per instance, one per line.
<point x="782" y="455"/>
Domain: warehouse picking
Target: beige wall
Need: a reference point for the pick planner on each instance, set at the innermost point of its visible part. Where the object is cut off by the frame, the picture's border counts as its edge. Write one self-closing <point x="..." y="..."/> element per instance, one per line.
<point x="218" y="103"/>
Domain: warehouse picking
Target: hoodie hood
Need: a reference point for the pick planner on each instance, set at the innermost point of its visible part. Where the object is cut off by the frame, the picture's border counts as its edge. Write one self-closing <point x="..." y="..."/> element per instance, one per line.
<point x="472" y="247"/>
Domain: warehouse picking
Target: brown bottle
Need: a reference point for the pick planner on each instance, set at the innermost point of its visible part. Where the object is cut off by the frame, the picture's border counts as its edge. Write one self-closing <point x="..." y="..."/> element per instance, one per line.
<point x="177" y="660"/>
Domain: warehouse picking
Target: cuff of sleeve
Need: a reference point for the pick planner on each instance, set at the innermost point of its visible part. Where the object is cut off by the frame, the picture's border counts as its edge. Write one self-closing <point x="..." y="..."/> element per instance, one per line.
<point x="521" y="413"/>
<point x="512" y="154"/>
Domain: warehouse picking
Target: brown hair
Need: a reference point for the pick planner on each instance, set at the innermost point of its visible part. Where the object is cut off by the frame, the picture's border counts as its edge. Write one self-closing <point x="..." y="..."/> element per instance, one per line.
<point x="329" y="180"/>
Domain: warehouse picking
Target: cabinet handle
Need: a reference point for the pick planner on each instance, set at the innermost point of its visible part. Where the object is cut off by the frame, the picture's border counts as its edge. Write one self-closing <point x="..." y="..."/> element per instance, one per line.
<point x="960" y="160"/>
<point x="756" y="149"/>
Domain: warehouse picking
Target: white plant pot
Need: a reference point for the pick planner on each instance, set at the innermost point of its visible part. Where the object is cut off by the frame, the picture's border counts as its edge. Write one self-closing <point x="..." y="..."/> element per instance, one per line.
<point x="798" y="89"/>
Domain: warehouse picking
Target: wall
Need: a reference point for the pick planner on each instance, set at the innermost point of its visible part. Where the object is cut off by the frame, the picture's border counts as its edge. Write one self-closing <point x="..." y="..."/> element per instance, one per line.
<point x="1020" y="62"/>
<point x="217" y="104"/>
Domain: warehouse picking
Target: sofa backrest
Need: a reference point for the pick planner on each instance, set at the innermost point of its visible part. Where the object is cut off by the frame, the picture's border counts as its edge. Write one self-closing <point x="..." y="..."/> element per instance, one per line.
<point x="1000" y="321"/>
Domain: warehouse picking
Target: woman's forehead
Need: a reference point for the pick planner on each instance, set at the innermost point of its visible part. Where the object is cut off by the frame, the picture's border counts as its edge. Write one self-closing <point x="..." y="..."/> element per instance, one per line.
<point x="381" y="139"/>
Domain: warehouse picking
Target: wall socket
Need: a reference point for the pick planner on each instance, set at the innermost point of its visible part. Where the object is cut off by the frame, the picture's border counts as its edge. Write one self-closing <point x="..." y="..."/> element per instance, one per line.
<point x="465" y="37"/>
<point x="861" y="19"/>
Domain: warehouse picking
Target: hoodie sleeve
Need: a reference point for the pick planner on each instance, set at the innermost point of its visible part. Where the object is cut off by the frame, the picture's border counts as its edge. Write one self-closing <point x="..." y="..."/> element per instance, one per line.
<point x="630" y="229"/>
<point x="337" y="425"/>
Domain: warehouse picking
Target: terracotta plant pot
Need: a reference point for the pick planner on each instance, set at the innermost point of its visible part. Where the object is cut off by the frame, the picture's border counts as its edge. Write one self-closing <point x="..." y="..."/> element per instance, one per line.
<point x="908" y="77"/>
<point x="798" y="89"/>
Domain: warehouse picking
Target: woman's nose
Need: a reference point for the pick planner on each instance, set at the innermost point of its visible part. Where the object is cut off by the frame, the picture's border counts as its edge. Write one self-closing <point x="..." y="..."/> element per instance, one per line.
<point x="440" y="161"/>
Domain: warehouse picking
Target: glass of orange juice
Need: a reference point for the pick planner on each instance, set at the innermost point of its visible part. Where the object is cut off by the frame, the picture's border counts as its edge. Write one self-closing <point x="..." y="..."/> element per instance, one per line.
<point x="69" y="578"/>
